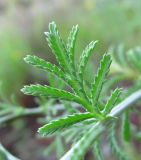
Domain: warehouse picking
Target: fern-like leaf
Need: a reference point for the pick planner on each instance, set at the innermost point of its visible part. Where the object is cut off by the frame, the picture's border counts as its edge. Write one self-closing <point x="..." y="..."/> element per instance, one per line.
<point x="71" y="44"/>
<point x="81" y="147"/>
<point x="100" y="79"/>
<point x="112" y="100"/>
<point x="85" y="56"/>
<point x="39" y="90"/>
<point x="57" y="125"/>
<point x="47" y="66"/>
<point x="58" y="47"/>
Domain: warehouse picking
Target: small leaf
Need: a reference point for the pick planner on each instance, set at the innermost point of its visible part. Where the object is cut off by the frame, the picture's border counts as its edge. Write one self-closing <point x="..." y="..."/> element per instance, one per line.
<point x="126" y="132"/>
<point x="47" y="66"/>
<point x="71" y="43"/>
<point x="85" y="56"/>
<point x="112" y="100"/>
<point x="57" y="125"/>
<point x="39" y="90"/>
<point x="57" y="45"/>
<point x="100" y="78"/>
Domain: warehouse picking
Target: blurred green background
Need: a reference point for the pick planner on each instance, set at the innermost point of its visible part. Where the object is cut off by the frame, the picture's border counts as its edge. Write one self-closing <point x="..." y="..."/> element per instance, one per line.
<point x="22" y="27"/>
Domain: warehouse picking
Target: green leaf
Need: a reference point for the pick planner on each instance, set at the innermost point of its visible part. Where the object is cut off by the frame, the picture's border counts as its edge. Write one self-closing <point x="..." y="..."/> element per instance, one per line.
<point x="39" y="90"/>
<point x="100" y="79"/>
<point x="112" y="100"/>
<point x="126" y="132"/>
<point x="85" y="56"/>
<point x="47" y="66"/>
<point x="58" y="47"/>
<point x="57" y="125"/>
<point x="71" y="43"/>
<point x="81" y="147"/>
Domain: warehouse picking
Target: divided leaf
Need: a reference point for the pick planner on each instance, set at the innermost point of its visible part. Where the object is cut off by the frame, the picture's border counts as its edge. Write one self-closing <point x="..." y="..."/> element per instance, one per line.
<point x="57" y="45"/>
<point x="39" y="90"/>
<point x="71" y="43"/>
<point x="47" y="66"/>
<point x="85" y="56"/>
<point x="57" y="125"/>
<point x="112" y="100"/>
<point x="100" y="79"/>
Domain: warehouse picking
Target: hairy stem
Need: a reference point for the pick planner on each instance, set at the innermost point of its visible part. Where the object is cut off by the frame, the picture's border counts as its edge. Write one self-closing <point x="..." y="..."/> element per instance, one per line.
<point x="126" y="103"/>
